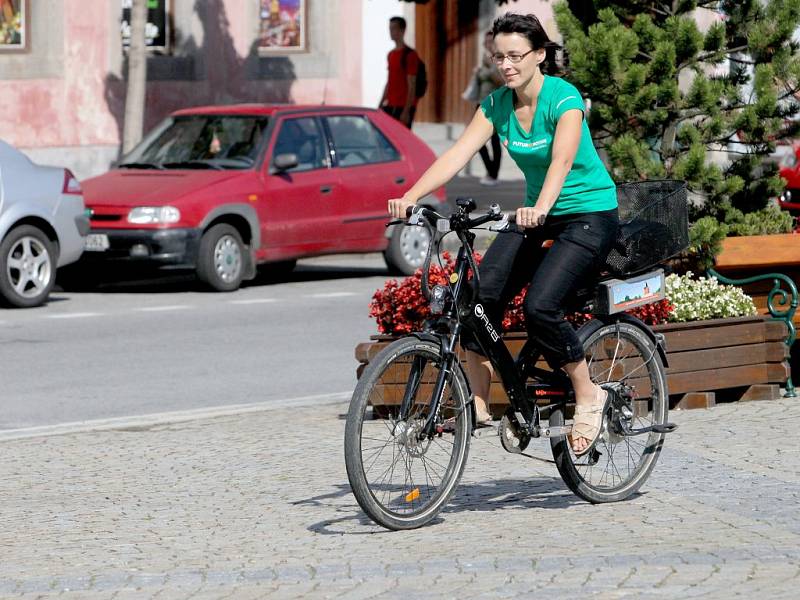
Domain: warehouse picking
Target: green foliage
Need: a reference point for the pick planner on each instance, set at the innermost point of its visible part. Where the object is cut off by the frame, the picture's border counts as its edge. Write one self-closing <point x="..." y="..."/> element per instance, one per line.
<point x="705" y="240"/>
<point x="706" y="233"/>
<point x="763" y="222"/>
<point x="670" y="99"/>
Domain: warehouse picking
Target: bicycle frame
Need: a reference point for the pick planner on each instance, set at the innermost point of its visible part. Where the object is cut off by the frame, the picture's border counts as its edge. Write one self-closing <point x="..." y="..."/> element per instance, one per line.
<point x="460" y="313"/>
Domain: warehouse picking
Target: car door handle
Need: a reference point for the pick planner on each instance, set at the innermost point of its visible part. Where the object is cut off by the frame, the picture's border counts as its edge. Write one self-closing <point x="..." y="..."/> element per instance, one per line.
<point x="326" y="189"/>
<point x="400" y="180"/>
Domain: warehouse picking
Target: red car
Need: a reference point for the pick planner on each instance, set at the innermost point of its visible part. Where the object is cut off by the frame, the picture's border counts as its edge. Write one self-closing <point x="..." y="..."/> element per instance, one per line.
<point x="223" y="189"/>
<point x="790" y="171"/>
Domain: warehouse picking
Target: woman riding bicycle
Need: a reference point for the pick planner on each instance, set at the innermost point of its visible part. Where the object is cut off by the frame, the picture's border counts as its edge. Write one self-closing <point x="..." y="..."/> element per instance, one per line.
<point x="570" y="199"/>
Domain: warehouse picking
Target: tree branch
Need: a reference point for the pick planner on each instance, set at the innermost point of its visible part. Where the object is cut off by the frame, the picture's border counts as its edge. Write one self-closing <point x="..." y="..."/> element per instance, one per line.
<point x="704" y="57"/>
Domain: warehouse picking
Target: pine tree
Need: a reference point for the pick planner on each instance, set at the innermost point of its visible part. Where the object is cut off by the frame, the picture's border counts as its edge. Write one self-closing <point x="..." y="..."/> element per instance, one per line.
<point x="667" y="98"/>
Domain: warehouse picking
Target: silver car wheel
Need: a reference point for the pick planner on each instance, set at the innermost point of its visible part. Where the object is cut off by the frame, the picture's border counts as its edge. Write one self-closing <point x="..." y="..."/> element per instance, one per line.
<point x="414" y="242"/>
<point x="28" y="267"/>
<point x="227" y="258"/>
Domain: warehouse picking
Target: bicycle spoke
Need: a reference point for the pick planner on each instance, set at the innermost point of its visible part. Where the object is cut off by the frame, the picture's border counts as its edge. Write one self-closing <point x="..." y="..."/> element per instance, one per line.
<point x="620" y="354"/>
<point x="407" y="485"/>
<point x="377" y="456"/>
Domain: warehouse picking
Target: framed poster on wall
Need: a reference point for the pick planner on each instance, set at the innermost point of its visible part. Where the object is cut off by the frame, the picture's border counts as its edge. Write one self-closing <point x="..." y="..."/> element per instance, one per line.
<point x="282" y="26"/>
<point x="13" y="25"/>
<point x="157" y="28"/>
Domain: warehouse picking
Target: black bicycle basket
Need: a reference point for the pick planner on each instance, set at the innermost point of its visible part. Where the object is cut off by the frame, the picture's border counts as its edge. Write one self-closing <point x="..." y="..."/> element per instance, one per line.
<point x="653" y="225"/>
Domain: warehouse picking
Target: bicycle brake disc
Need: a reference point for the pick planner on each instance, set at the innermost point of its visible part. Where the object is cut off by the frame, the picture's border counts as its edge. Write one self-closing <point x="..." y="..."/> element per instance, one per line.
<point x="416" y="445"/>
<point x="511" y="438"/>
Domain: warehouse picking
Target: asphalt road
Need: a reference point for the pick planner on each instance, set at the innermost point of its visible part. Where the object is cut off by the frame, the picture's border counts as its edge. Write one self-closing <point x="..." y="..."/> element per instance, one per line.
<point x="164" y="345"/>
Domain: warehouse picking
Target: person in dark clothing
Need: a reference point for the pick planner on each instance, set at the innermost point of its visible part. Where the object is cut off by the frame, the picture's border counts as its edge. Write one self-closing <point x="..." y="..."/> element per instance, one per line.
<point x="399" y="97"/>
<point x="488" y="79"/>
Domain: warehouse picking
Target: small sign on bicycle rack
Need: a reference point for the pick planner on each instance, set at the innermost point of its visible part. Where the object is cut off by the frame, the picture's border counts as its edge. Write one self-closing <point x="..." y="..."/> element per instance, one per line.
<point x="617" y="295"/>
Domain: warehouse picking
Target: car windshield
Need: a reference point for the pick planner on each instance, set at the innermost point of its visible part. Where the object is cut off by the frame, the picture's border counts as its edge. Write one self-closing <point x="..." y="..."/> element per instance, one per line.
<point x="200" y="142"/>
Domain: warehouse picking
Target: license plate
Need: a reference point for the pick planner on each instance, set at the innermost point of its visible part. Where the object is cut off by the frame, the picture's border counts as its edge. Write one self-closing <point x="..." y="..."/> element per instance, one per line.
<point x="96" y="242"/>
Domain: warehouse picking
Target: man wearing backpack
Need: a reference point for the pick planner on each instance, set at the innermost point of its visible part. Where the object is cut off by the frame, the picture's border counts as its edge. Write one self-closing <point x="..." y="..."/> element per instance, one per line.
<point x="407" y="77"/>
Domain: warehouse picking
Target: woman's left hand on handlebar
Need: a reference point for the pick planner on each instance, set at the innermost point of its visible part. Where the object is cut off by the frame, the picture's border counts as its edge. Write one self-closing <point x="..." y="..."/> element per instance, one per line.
<point x="530" y="217"/>
<point x="398" y="206"/>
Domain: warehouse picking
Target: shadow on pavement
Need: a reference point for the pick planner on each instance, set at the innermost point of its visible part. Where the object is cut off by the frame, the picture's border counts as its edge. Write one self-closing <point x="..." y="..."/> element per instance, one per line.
<point x="323" y="272"/>
<point x="489" y="496"/>
<point x="149" y="281"/>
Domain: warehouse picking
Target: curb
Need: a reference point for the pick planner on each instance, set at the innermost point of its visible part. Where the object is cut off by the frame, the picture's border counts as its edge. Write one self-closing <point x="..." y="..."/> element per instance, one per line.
<point x="165" y="418"/>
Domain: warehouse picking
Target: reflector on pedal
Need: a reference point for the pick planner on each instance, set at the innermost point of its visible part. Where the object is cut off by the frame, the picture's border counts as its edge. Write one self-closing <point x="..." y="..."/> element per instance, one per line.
<point x="412" y="495"/>
<point x="616" y="295"/>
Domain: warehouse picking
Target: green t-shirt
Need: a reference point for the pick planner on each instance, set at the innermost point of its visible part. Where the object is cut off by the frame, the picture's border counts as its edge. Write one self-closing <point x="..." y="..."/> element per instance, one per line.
<point x="588" y="186"/>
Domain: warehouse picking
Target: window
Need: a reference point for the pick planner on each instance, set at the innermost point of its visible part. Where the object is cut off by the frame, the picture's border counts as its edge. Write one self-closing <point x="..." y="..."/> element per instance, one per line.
<point x="216" y="141"/>
<point x="303" y="138"/>
<point x="13" y="25"/>
<point x="156" y="31"/>
<point x="357" y="142"/>
<point x="283" y="26"/>
<point x="387" y="149"/>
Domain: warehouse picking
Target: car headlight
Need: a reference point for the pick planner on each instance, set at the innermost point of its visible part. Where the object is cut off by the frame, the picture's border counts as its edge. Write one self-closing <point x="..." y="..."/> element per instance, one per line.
<point x="148" y="215"/>
<point x="789" y="161"/>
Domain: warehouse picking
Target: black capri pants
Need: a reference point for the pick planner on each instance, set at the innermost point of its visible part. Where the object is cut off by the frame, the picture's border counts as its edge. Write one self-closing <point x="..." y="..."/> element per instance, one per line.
<point x="581" y="242"/>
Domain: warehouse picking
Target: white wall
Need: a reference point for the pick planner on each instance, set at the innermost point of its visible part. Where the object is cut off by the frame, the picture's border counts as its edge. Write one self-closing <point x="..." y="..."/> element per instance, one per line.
<point x="376" y="43"/>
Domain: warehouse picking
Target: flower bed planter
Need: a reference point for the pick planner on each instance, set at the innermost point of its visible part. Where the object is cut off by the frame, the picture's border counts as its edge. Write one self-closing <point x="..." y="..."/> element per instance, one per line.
<point x="767" y="267"/>
<point x="745" y="257"/>
<point x="704" y="356"/>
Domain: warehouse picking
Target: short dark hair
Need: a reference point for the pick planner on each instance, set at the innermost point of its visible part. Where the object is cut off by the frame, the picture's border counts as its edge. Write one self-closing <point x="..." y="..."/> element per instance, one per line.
<point x="526" y="25"/>
<point x="400" y="21"/>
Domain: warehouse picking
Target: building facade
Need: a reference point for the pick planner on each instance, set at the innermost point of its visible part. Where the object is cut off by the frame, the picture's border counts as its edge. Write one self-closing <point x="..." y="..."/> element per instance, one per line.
<point x="62" y="62"/>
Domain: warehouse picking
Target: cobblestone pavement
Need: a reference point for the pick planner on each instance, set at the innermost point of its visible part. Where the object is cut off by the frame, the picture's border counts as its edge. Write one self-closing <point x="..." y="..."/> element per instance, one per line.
<point x="258" y="505"/>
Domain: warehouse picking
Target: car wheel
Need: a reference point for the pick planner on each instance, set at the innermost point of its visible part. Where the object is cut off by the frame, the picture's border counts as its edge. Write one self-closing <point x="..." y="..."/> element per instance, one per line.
<point x="407" y="248"/>
<point x="27" y="267"/>
<point x="220" y="263"/>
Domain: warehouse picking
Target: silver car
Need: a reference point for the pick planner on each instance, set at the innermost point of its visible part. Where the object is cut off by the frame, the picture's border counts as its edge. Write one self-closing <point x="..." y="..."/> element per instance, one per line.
<point x="42" y="225"/>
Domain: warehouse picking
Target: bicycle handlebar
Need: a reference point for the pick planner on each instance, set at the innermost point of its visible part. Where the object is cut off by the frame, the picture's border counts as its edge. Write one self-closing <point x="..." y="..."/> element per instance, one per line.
<point x="458" y="222"/>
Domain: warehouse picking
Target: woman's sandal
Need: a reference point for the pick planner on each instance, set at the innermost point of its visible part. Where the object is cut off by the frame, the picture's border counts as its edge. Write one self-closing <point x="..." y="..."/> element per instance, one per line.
<point x="587" y="422"/>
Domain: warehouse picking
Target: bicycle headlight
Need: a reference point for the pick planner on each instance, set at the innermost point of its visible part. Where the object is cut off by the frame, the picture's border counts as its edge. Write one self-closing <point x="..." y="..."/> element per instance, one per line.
<point x="438" y="297"/>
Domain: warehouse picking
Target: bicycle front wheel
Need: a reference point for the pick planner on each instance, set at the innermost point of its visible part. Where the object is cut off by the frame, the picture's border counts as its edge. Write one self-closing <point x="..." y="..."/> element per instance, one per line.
<point x="400" y="477"/>
<point x="621" y="357"/>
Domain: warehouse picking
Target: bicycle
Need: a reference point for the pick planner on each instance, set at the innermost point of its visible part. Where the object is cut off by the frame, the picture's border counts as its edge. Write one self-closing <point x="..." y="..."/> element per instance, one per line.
<point x="427" y="417"/>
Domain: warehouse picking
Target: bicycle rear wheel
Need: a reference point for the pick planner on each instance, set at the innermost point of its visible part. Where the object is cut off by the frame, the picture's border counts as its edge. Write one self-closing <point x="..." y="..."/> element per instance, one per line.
<point x="401" y="478"/>
<point x="622" y="358"/>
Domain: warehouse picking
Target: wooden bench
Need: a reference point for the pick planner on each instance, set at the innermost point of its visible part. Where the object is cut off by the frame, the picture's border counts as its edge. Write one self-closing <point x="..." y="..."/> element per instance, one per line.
<point x="745" y="257"/>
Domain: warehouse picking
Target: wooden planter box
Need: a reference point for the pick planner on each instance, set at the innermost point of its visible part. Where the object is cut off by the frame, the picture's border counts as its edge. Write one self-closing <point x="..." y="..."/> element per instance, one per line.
<point x="744" y="257"/>
<point x="704" y="356"/>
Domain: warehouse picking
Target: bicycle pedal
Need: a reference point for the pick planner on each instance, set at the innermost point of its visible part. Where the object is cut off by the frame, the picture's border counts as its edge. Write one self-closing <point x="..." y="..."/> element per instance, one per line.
<point x="551" y="432"/>
<point x="665" y="428"/>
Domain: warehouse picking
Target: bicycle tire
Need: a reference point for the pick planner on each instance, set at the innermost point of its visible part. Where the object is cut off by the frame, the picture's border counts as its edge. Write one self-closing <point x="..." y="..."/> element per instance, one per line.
<point x="409" y="503"/>
<point x="610" y="355"/>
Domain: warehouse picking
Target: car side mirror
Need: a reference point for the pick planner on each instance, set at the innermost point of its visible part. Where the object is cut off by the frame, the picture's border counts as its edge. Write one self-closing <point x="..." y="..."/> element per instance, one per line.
<point x="284" y="162"/>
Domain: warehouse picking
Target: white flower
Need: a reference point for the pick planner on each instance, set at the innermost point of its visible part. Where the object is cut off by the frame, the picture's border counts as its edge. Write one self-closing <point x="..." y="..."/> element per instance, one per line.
<point x="705" y="298"/>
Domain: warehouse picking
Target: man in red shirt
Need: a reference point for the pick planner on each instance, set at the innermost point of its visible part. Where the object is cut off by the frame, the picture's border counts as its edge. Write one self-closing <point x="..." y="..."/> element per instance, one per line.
<point x="399" y="95"/>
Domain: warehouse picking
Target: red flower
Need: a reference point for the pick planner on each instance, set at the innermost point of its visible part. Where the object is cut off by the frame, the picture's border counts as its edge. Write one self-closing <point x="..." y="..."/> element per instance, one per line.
<point x="399" y="308"/>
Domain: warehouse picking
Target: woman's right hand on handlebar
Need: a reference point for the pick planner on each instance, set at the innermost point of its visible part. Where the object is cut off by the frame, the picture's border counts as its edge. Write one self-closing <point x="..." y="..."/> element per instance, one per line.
<point x="398" y="206"/>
